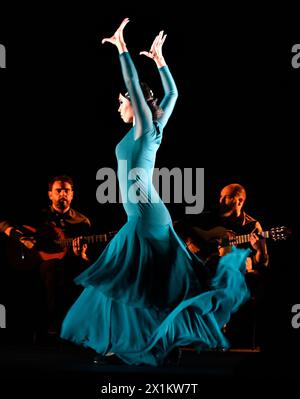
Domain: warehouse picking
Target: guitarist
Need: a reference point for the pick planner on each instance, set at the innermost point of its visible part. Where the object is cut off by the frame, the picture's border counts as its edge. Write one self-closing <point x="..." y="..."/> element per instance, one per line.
<point x="56" y="274"/>
<point x="230" y="215"/>
<point x="234" y="221"/>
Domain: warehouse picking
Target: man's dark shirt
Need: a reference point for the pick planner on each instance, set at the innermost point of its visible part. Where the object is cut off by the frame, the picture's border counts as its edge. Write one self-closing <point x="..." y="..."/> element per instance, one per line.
<point x="72" y="222"/>
<point x="53" y="225"/>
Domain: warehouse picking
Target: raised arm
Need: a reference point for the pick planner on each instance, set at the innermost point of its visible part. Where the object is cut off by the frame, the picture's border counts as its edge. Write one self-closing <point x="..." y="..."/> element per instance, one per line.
<point x="142" y="113"/>
<point x="170" y="90"/>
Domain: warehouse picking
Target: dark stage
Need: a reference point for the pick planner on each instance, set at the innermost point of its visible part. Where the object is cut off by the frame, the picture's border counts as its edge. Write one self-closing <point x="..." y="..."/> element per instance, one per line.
<point x="60" y="369"/>
<point x="236" y="117"/>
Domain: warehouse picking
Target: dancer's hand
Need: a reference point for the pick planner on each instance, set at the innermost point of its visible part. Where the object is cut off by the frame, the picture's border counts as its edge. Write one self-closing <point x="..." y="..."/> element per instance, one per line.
<point x="117" y="38"/>
<point x="155" y="52"/>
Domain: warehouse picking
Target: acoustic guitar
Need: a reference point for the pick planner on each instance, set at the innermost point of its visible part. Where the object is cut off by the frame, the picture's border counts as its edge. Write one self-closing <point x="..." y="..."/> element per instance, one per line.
<point x="34" y="247"/>
<point x="219" y="237"/>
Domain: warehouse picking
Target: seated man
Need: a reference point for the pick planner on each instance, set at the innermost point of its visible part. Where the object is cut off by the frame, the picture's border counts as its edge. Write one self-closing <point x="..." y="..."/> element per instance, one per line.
<point x="212" y="234"/>
<point x="53" y="252"/>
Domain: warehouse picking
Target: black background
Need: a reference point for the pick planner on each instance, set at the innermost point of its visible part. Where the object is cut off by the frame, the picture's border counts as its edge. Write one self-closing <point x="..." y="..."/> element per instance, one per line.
<point x="236" y="115"/>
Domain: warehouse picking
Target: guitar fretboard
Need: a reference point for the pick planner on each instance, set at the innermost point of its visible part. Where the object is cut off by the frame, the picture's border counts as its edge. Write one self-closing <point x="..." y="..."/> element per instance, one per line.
<point x="246" y="238"/>
<point x="92" y="239"/>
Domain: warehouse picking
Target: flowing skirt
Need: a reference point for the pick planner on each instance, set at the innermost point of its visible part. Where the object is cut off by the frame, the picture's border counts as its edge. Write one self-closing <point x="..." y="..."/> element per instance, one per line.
<point x="147" y="294"/>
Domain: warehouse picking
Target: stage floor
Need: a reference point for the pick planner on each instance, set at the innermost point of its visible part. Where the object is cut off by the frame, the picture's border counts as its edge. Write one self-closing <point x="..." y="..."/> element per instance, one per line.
<point x="59" y="368"/>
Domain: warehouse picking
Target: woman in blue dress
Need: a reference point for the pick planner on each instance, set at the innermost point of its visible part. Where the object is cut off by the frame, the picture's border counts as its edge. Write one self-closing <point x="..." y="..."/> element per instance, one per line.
<point x="147" y="294"/>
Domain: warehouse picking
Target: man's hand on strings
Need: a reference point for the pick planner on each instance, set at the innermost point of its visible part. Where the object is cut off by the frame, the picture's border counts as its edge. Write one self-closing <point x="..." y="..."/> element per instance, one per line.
<point x="255" y="241"/>
<point x="80" y="248"/>
<point x="28" y="242"/>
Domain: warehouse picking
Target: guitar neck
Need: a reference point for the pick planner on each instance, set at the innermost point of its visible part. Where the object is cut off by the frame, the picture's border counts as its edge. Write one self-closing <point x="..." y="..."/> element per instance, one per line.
<point x="241" y="239"/>
<point x="219" y="236"/>
<point x="92" y="239"/>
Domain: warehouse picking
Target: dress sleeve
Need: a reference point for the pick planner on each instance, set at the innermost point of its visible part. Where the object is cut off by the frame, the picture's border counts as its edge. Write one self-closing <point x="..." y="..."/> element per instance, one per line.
<point x="142" y="112"/>
<point x="170" y="94"/>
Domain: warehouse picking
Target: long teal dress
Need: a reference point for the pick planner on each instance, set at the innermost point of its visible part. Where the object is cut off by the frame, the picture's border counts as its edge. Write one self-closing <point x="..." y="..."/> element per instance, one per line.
<point x="147" y="294"/>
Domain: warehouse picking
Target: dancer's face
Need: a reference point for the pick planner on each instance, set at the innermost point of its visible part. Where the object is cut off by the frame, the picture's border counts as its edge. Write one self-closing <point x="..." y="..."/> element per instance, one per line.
<point x="125" y="109"/>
